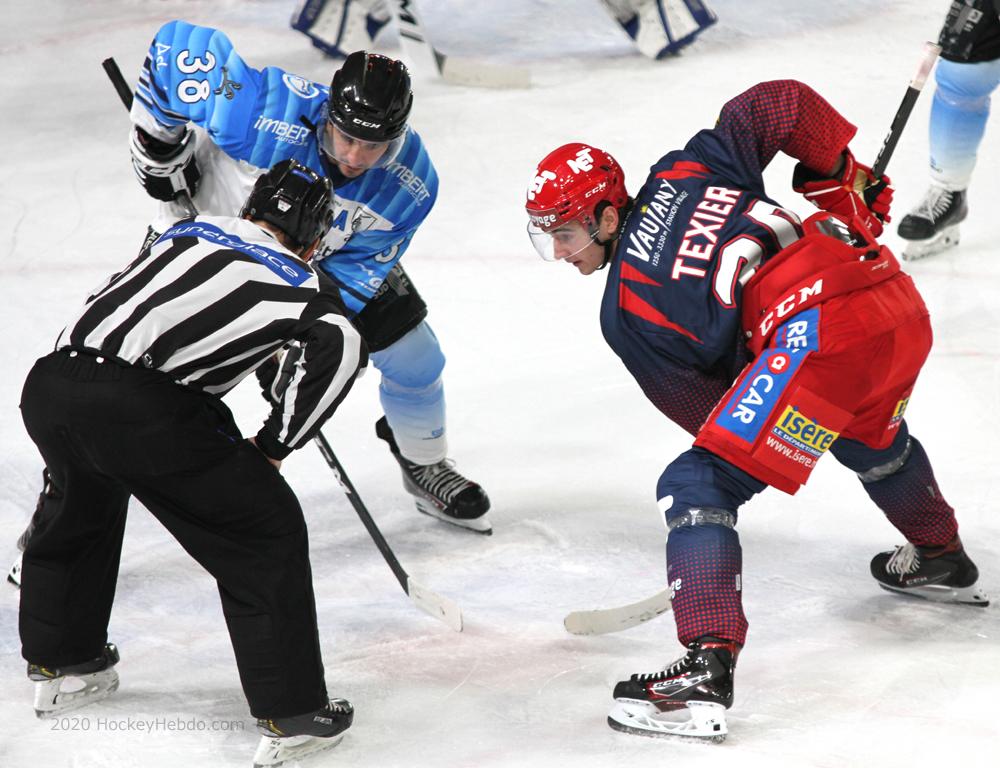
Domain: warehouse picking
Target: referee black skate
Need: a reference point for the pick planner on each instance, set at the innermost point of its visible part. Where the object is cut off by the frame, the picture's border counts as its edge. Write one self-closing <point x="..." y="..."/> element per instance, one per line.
<point x="129" y="404"/>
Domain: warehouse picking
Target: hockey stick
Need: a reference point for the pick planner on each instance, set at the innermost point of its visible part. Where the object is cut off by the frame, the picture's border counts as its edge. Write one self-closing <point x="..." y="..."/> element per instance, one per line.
<point x="452" y="69"/>
<point x="125" y="94"/>
<point x="601" y="621"/>
<point x="430" y="602"/>
<point x="930" y="54"/>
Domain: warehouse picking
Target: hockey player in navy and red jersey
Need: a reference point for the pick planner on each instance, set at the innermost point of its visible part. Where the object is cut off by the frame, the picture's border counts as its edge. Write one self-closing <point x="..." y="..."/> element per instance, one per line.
<point x="769" y="339"/>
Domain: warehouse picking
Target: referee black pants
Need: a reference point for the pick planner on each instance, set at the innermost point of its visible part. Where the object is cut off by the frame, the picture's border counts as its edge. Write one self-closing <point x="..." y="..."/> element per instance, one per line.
<point x="108" y="431"/>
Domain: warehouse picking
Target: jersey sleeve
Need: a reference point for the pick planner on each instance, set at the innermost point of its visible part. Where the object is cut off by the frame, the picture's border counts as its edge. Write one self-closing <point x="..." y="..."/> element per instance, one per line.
<point x="193" y="74"/>
<point x="329" y="356"/>
<point x="776" y="116"/>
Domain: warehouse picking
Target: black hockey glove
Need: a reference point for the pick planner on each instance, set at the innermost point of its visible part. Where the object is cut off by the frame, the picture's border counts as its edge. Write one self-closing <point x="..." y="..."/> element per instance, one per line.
<point x="165" y="170"/>
<point x="273" y="376"/>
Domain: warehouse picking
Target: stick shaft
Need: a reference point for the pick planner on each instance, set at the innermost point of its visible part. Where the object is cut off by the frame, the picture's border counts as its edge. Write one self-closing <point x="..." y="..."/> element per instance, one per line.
<point x="118" y="81"/>
<point x="930" y="54"/>
<point x="121" y="87"/>
<point x="352" y="495"/>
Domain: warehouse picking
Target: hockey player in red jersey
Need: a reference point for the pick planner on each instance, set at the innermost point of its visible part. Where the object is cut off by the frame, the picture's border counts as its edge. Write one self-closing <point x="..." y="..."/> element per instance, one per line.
<point x="772" y="341"/>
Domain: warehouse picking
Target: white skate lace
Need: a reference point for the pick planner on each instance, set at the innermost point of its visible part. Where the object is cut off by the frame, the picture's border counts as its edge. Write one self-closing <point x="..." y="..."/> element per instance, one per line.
<point x="671" y="670"/>
<point x="935" y="203"/>
<point x="439" y="479"/>
<point x="904" y="560"/>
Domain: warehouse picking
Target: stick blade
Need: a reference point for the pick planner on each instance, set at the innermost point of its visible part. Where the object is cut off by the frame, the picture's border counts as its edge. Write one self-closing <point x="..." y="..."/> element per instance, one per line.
<point x="605" y="620"/>
<point x="433" y="604"/>
<point x="462" y="71"/>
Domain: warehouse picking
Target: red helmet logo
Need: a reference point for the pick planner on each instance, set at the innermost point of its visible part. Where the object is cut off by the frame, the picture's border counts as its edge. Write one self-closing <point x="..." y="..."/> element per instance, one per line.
<point x="569" y="183"/>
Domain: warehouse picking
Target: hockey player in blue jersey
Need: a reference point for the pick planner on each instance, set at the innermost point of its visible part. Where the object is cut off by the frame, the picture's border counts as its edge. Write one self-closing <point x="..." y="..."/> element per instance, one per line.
<point x="772" y="341"/>
<point x="966" y="75"/>
<point x="206" y="124"/>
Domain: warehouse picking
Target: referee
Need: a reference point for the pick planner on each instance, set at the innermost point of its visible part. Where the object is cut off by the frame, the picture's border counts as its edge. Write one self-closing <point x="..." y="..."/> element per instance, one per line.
<point x="129" y="404"/>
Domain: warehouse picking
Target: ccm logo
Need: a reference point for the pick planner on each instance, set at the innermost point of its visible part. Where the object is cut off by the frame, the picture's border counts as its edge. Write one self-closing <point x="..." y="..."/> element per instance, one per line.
<point x="786" y="306"/>
<point x="365" y="123"/>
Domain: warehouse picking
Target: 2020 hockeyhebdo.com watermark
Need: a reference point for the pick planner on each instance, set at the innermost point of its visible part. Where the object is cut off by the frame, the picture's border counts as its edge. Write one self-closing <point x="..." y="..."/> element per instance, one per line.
<point x="145" y="724"/>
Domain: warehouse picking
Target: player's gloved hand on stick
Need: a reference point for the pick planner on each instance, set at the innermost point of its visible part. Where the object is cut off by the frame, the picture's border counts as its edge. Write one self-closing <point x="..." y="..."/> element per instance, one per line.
<point x="164" y="169"/>
<point x="852" y="191"/>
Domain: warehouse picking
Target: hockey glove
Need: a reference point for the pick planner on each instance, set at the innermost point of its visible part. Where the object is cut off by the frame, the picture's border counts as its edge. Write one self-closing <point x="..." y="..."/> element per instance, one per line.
<point x="853" y="192"/>
<point x="274" y="373"/>
<point x="165" y="170"/>
<point x="267" y="376"/>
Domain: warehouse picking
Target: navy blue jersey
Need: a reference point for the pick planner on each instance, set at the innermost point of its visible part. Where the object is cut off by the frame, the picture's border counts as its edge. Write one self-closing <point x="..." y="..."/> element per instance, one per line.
<point x="701" y="225"/>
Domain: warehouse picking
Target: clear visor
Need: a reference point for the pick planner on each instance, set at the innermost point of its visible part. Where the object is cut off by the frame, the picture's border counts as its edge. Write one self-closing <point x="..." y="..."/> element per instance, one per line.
<point x="559" y="242"/>
<point x="357" y="154"/>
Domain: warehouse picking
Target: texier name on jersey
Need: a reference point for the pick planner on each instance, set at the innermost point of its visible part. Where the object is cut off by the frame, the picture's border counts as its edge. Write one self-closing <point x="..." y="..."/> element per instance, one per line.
<point x="708" y="244"/>
<point x="702" y="236"/>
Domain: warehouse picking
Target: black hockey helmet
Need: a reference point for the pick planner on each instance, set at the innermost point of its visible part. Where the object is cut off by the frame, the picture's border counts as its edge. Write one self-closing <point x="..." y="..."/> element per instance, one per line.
<point x="294" y="199"/>
<point x="370" y="97"/>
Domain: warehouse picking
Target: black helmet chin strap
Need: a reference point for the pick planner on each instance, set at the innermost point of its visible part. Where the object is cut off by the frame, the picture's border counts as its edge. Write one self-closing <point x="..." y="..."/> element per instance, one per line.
<point x="609" y="249"/>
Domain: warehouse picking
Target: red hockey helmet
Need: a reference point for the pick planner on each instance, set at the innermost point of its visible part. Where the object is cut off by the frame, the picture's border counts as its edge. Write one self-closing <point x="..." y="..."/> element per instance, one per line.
<point x="568" y="185"/>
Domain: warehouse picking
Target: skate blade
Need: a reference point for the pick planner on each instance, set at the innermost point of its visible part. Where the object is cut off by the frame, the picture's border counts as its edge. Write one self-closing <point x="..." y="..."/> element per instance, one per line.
<point x="707" y="722"/>
<point x="479" y="524"/>
<point x="921" y="249"/>
<point x="274" y="751"/>
<point x="14" y="574"/>
<point x="938" y="593"/>
<point x="51" y="700"/>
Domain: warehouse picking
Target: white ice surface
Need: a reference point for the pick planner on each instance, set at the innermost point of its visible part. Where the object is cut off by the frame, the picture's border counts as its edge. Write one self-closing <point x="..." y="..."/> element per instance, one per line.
<point x="836" y="674"/>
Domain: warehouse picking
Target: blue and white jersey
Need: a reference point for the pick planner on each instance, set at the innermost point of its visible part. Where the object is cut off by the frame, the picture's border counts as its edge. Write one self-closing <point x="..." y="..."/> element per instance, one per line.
<point x="248" y="120"/>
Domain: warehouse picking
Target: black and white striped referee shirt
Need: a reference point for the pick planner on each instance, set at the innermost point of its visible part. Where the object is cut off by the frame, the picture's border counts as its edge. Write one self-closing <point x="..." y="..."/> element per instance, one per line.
<point x="210" y="301"/>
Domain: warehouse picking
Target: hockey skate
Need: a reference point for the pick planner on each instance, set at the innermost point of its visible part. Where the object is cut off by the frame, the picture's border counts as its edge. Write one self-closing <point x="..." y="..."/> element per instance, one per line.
<point x="292" y="738"/>
<point x="932" y="226"/>
<point x="699" y="685"/>
<point x="943" y="574"/>
<point x="96" y="680"/>
<point x="440" y="491"/>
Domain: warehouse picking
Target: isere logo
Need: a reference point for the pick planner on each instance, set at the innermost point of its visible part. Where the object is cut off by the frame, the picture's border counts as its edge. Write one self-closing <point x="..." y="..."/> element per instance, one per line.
<point x="803" y="432"/>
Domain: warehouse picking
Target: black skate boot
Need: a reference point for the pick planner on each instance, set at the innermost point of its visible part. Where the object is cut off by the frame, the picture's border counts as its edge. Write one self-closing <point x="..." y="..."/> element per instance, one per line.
<point x="932" y="226"/>
<point x="439" y="490"/>
<point x="945" y="574"/>
<point x="98" y="677"/>
<point x="291" y="738"/>
<point x="700" y="684"/>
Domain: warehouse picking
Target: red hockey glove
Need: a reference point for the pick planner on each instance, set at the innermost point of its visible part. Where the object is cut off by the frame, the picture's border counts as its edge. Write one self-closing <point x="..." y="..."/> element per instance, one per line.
<point x="854" y="192"/>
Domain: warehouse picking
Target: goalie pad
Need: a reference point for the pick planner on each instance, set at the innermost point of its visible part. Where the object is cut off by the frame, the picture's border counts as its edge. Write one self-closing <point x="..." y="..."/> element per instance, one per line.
<point x="661" y="28"/>
<point x="340" y="27"/>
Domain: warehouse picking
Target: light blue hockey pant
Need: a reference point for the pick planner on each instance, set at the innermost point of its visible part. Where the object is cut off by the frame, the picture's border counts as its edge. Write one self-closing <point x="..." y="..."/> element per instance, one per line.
<point x="959" y="113"/>
<point x="412" y="394"/>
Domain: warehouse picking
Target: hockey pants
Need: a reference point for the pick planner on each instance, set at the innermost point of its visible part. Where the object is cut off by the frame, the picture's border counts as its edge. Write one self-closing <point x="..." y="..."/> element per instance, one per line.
<point x="108" y="431"/>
